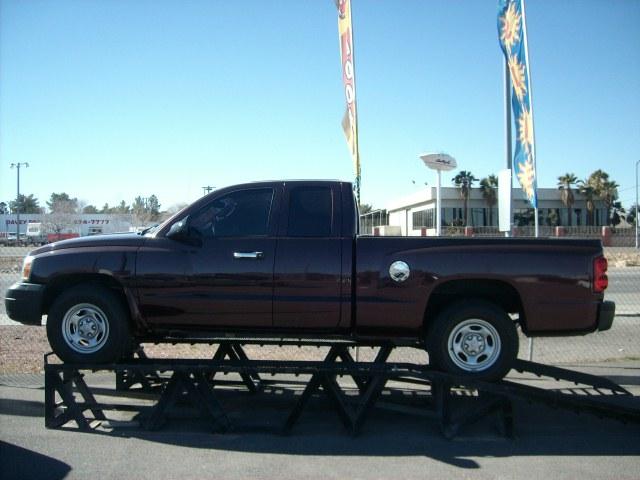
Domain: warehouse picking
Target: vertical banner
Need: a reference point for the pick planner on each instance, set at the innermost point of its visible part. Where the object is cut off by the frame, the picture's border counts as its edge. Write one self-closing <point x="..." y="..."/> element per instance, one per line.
<point x="512" y="33"/>
<point x="350" y="119"/>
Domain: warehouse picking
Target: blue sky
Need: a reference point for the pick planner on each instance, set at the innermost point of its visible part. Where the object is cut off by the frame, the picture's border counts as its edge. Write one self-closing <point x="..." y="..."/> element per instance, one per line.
<point x="112" y="99"/>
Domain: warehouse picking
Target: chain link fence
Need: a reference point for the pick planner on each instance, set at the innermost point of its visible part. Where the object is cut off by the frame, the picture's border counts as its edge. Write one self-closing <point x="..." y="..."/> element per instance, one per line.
<point x="619" y="343"/>
<point x="10" y="267"/>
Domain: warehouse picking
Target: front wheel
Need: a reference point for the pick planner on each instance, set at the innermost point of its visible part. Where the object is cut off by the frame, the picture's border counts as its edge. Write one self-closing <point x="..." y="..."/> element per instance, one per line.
<point x="476" y="339"/>
<point x="88" y="324"/>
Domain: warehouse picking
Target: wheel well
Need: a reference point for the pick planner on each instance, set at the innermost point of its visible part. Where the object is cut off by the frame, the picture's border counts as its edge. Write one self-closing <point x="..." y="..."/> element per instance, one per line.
<point x="495" y="291"/>
<point x="60" y="284"/>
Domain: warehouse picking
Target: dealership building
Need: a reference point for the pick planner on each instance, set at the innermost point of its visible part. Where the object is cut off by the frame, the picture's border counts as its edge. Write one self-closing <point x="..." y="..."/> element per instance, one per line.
<point x="415" y="214"/>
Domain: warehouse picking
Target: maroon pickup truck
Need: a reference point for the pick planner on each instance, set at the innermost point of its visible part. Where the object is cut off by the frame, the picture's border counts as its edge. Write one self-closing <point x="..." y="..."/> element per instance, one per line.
<point x="284" y="259"/>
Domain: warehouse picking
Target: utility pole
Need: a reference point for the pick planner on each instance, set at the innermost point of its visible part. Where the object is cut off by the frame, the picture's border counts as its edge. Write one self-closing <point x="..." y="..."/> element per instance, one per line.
<point x="17" y="167"/>
<point x="636" y="217"/>
<point x="207" y="189"/>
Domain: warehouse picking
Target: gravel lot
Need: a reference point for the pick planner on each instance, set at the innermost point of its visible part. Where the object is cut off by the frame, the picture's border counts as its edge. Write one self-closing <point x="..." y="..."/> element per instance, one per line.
<point x="22" y="348"/>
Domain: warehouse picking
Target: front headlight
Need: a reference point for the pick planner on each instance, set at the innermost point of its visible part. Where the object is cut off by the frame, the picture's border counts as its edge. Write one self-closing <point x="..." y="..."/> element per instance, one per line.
<point x="26" y="267"/>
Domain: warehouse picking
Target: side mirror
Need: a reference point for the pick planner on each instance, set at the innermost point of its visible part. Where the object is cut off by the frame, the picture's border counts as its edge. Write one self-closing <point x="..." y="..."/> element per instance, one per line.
<point x="183" y="233"/>
<point x="178" y="229"/>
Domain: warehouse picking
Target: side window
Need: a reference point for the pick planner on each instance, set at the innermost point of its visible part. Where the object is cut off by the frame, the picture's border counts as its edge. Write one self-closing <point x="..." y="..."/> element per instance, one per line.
<point x="243" y="213"/>
<point x="310" y="212"/>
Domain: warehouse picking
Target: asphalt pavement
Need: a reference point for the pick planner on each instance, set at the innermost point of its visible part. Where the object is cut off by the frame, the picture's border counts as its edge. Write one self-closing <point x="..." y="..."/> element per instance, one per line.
<point x="393" y="444"/>
<point x="624" y="289"/>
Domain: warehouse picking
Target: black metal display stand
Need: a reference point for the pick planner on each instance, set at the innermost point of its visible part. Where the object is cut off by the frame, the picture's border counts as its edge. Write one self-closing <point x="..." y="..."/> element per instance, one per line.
<point x="171" y="382"/>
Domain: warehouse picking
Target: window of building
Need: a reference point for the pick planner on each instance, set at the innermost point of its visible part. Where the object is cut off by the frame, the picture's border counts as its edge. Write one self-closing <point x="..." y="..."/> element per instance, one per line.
<point x="489" y="217"/>
<point x="452" y="216"/>
<point x="601" y="217"/>
<point x="523" y="217"/>
<point x="577" y="217"/>
<point x="424" y="219"/>
<point x="370" y="220"/>
<point x="550" y="217"/>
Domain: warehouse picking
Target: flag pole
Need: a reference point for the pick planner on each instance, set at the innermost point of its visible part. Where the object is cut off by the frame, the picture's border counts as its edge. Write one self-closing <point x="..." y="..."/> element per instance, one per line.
<point x="533" y="123"/>
<point x="355" y="109"/>
<point x="507" y="128"/>
<point x="533" y="146"/>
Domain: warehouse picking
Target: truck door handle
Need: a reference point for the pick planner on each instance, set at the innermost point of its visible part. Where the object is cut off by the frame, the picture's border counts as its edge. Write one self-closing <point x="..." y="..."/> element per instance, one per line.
<point x="248" y="255"/>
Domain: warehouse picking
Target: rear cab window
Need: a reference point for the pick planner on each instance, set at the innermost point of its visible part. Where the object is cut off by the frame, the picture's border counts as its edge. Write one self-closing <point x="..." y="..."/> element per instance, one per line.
<point x="311" y="212"/>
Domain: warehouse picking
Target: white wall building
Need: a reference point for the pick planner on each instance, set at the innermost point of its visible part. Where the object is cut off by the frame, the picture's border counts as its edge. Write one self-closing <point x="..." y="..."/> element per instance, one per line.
<point x="78" y="224"/>
<point x="417" y="210"/>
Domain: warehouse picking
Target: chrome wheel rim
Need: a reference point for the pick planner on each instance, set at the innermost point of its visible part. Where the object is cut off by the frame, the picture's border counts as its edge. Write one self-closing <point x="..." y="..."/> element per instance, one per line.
<point x="85" y="328"/>
<point x="474" y="345"/>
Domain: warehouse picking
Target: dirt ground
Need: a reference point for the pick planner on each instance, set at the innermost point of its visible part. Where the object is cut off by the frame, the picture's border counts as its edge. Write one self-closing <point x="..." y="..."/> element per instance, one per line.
<point x="22" y="349"/>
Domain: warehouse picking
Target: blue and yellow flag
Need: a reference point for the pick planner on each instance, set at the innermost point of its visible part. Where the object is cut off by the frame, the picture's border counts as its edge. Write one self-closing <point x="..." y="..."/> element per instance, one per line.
<point x="512" y="33"/>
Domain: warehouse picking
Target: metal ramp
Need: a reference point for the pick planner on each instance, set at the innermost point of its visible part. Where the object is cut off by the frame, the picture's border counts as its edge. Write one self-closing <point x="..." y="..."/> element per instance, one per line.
<point x="170" y="383"/>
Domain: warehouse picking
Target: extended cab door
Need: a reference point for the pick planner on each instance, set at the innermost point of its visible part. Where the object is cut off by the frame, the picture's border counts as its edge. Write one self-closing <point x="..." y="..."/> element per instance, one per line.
<point x="308" y="261"/>
<point x="227" y="281"/>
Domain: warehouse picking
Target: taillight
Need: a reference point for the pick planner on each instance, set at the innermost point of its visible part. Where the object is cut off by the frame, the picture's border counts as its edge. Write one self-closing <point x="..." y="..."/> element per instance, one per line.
<point x="600" y="279"/>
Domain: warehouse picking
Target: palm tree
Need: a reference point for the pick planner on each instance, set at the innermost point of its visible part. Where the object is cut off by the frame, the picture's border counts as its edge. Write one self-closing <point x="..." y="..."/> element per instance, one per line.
<point x="617" y="213"/>
<point x="489" y="187"/>
<point x="364" y="208"/>
<point x="605" y="190"/>
<point x="586" y="189"/>
<point x="464" y="181"/>
<point x="597" y="179"/>
<point x="566" y="194"/>
<point x="631" y="217"/>
<point x="608" y="193"/>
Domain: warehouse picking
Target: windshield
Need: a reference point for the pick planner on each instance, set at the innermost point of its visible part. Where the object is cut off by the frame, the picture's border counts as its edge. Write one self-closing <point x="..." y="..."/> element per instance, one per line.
<point x="172" y="219"/>
<point x="150" y="230"/>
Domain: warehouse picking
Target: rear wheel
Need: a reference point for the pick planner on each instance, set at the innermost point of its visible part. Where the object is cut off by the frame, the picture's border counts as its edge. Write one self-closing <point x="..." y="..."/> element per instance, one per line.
<point x="475" y="339"/>
<point x="89" y="324"/>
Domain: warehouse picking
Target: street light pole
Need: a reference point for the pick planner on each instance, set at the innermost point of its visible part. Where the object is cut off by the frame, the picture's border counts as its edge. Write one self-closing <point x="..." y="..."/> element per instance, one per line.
<point x="636" y="218"/>
<point x="438" y="206"/>
<point x="17" y="167"/>
<point x="439" y="162"/>
<point x="507" y="135"/>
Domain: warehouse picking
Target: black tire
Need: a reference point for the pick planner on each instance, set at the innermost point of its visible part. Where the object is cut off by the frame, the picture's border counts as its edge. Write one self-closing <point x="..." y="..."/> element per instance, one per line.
<point x="473" y="338"/>
<point x="88" y="324"/>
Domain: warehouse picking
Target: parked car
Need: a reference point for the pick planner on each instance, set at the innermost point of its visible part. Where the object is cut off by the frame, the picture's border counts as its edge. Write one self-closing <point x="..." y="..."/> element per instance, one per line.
<point x="284" y="259"/>
<point x="8" y="239"/>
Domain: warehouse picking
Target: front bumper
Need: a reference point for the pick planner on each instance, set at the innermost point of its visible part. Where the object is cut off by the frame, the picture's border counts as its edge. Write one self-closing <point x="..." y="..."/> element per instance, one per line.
<point x="23" y="303"/>
<point x="606" y="312"/>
